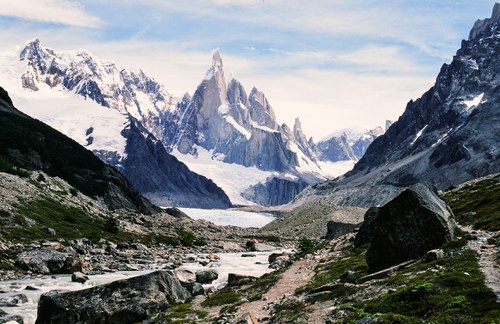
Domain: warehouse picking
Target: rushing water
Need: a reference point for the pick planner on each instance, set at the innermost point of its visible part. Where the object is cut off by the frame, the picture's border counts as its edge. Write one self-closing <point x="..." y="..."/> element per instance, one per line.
<point x="228" y="263"/>
<point x="230" y="217"/>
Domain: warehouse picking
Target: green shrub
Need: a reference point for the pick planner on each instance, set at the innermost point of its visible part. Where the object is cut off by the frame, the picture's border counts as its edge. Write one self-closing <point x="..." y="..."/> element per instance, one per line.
<point x="223" y="297"/>
<point x="306" y="246"/>
<point x="111" y="225"/>
<point x="187" y="238"/>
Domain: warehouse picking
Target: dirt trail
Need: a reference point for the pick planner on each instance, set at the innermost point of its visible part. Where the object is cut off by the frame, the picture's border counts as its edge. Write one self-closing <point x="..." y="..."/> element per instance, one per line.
<point x="294" y="277"/>
<point x="488" y="258"/>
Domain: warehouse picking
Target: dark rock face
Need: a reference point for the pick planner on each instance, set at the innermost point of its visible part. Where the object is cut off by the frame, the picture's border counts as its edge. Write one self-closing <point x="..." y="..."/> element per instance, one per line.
<point x="70" y="161"/>
<point x="407" y="227"/>
<point x="275" y="191"/>
<point x="123" y="301"/>
<point x="446" y="137"/>
<point x="337" y="229"/>
<point x="337" y="149"/>
<point x="206" y="276"/>
<point x="365" y="233"/>
<point x="48" y="261"/>
<point x="162" y="178"/>
<point x="456" y="119"/>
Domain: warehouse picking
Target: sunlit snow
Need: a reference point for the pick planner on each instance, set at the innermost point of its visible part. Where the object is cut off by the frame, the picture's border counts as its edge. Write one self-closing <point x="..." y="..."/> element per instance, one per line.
<point x="420" y="132"/>
<point x="230" y="217"/>
<point x="232" y="178"/>
<point x="474" y="102"/>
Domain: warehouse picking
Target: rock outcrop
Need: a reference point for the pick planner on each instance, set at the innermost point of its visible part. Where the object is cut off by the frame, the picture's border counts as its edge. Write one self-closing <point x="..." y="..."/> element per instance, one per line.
<point x="336" y="229"/>
<point x="274" y="191"/>
<point x="407" y="227"/>
<point x="124" y="301"/>
<point x="48" y="261"/>
<point x="446" y="137"/>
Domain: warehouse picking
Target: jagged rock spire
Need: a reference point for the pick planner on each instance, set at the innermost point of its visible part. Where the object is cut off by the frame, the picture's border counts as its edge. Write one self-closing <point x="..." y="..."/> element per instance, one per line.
<point x="482" y="24"/>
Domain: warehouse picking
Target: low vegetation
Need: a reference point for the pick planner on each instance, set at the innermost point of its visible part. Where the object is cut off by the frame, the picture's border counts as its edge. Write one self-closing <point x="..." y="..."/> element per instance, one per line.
<point x="68" y="222"/>
<point x="180" y="314"/>
<point x="477" y="203"/>
<point x="447" y="290"/>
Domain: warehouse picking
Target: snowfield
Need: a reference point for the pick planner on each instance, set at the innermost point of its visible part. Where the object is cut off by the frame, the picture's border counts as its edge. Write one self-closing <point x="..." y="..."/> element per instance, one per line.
<point x="230" y="217"/>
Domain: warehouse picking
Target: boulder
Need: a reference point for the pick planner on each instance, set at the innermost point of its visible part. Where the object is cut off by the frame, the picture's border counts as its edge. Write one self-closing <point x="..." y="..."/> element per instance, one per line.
<point x="278" y="260"/>
<point x="194" y="288"/>
<point x="79" y="277"/>
<point x="206" y="276"/>
<point x="365" y="233"/>
<point x="122" y="301"/>
<point x="273" y="256"/>
<point x="433" y="255"/>
<point x="49" y="231"/>
<point x="48" y="261"/>
<point x="13" y="301"/>
<point x="10" y="319"/>
<point x="247" y="318"/>
<point x="239" y="280"/>
<point x="263" y="247"/>
<point x="408" y="226"/>
<point x="185" y="275"/>
<point x="337" y="229"/>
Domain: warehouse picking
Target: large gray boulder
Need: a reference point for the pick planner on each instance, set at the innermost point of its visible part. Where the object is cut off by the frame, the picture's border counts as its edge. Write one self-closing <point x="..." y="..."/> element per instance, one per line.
<point x="48" y="261"/>
<point x="206" y="276"/>
<point x="407" y="227"/>
<point x="123" y="301"/>
<point x="336" y="229"/>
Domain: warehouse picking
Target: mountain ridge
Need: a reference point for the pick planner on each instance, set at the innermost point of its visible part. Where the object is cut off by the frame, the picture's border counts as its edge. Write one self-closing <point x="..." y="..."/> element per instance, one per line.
<point x="448" y="136"/>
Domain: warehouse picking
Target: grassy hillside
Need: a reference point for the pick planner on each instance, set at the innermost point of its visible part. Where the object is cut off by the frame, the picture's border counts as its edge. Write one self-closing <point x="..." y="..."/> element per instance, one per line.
<point x="477" y="203"/>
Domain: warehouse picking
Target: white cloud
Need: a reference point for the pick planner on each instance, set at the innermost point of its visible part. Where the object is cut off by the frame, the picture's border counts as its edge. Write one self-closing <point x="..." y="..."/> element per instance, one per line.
<point x="64" y="12"/>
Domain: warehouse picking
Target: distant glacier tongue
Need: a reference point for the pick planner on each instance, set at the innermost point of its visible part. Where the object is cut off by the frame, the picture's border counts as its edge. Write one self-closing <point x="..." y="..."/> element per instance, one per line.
<point x="230" y="217"/>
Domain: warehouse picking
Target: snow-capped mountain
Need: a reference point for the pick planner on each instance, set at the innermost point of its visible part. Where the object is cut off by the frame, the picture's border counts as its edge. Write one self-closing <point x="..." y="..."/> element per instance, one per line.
<point x="448" y="136"/>
<point x="239" y="128"/>
<point x="221" y="132"/>
<point x="113" y="113"/>
<point x="349" y="145"/>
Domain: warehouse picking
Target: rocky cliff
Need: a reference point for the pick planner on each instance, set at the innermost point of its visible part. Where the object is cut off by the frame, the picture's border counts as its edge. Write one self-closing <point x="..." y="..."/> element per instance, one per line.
<point x="448" y="136"/>
<point x="139" y="112"/>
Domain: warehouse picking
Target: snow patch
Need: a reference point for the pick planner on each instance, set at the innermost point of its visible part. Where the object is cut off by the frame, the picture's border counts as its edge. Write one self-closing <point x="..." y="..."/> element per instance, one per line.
<point x="238" y="127"/>
<point x="232" y="178"/>
<point x="471" y="63"/>
<point x="420" y="132"/>
<point x="73" y="116"/>
<point x="264" y="128"/>
<point x="474" y="102"/>
<point x="332" y="170"/>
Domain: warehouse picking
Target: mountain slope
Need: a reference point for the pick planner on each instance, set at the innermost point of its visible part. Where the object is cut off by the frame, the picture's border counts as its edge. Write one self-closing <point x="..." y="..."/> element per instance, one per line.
<point x="233" y="126"/>
<point x="448" y="136"/>
<point x="54" y="89"/>
<point x="29" y="144"/>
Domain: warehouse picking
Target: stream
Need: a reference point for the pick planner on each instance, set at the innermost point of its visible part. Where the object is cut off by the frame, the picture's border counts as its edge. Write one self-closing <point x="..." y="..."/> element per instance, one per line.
<point x="228" y="263"/>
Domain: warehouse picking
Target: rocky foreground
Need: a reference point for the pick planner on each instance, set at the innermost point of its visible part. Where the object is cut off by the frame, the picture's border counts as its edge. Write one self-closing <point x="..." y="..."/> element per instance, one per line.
<point x="388" y="270"/>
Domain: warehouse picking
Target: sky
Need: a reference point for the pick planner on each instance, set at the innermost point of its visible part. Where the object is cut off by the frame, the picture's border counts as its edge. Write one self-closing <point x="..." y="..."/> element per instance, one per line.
<point x="335" y="64"/>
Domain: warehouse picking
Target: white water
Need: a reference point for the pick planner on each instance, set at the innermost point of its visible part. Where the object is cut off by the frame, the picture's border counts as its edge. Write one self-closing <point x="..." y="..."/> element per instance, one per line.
<point x="230" y="217"/>
<point x="228" y="263"/>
